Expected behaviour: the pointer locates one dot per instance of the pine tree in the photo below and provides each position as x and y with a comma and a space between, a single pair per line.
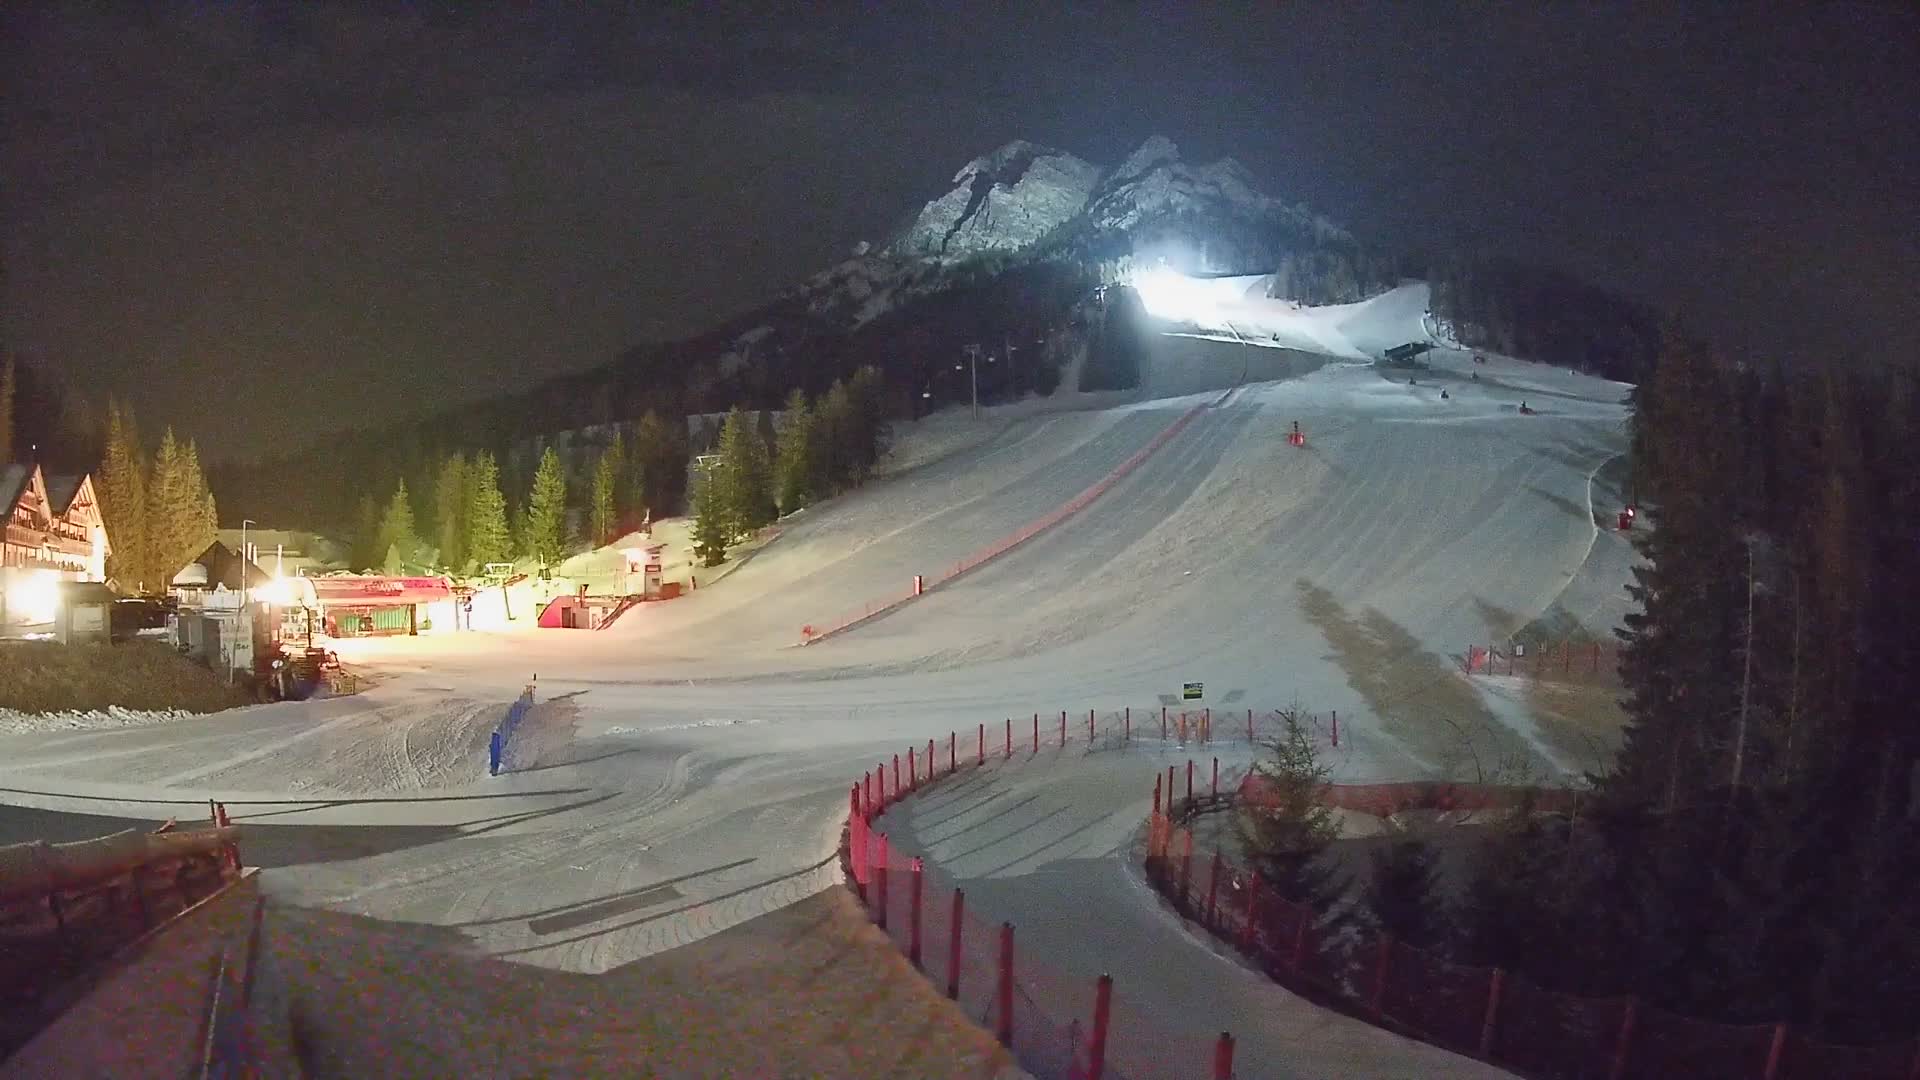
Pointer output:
451, 493
1680, 662
9, 389
177, 507
1403, 892
366, 532
1285, 829
203, 519
659, 471
487, 539
546, 513
711, 530
603, 513
838, 434
870, 435
399, 541
123, 502
798, 465
745, 483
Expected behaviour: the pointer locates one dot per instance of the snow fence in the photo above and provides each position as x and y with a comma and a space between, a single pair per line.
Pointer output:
503, 735
1060, 1028
1486, 1013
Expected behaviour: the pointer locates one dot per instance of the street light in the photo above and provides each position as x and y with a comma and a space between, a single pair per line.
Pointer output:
243, 613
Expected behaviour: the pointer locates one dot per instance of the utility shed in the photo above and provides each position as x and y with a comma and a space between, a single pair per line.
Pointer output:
85, 612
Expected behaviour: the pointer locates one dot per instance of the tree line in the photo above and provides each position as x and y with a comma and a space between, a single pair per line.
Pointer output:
1753, 853
457, 516
158, 511
823, 447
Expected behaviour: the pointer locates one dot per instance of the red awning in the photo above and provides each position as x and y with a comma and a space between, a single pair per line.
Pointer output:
345, 591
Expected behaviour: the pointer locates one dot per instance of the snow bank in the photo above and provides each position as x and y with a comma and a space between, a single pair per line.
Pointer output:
23, 723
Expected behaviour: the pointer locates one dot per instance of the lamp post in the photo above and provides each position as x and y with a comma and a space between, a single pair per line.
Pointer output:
242, 617
973, 364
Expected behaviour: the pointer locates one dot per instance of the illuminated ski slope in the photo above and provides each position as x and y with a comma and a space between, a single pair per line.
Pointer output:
692, 744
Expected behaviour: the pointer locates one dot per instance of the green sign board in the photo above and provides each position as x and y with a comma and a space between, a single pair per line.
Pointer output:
1190, 691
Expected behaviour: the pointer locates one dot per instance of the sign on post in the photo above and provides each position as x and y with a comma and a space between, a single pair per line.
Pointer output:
1190, 691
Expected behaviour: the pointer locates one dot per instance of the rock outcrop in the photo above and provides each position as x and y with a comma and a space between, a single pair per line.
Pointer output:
1004, 201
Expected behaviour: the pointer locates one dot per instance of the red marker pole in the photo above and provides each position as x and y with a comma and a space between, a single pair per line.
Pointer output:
913, 912
1063, 729
1009, 737
983, 745
1089, 727
1036, 733
1189, 782
953, 752
1213, 891
930, 765
913, 770
880, 879
1223, 1058
1102, 1014
1216, 778
896, 775
1156, 794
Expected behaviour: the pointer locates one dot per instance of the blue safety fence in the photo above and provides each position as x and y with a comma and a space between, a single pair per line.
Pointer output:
503, 735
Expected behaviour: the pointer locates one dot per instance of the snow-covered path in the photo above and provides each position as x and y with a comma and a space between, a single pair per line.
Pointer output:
687, 768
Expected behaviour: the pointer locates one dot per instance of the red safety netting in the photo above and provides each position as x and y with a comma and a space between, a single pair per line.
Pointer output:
1802, 1058
1682, 1046
1002, 546
1542, 1033
1595, 662
1049, 1016
1506, 1019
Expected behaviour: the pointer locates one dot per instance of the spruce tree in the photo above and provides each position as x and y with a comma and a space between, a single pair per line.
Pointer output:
366, 532
839, 436
603, 508
797, 466
174, 511
546, 513
1283, 828
487, 540
711, 528
451, 493
660, 465
1403, 892
399, 541
123, 502
744, 490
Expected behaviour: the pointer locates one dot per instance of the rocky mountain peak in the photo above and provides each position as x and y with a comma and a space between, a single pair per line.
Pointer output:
1002, 201
1157, 150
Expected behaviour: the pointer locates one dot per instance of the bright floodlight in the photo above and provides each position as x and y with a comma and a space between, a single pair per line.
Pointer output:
1167, 294
34, 594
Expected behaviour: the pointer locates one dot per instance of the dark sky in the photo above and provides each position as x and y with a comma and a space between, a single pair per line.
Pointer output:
268, 221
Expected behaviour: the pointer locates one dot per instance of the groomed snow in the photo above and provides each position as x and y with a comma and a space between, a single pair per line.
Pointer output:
687, 769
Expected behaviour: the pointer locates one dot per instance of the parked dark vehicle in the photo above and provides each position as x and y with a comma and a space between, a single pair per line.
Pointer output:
135, 613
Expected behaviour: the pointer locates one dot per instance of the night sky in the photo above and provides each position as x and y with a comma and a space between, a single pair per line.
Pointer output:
265, 222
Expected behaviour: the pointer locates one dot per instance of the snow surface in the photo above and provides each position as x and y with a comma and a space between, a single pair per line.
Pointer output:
19, 723
687, 769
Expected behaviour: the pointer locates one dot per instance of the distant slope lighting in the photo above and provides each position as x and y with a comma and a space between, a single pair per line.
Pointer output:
1167, 294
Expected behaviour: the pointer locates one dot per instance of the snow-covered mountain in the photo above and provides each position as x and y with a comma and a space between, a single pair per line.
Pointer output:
1202, 218
1025, 204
